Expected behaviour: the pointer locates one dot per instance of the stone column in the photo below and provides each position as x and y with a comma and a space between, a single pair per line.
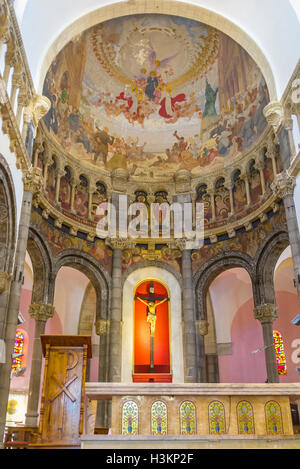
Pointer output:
202, 331
41, 313
284, 184
102, 329
115, 334
267, 314
32, 181
189, 325
5, 281
283, 187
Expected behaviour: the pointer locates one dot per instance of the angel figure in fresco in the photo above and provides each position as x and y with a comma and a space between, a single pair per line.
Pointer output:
101, 142
151, 313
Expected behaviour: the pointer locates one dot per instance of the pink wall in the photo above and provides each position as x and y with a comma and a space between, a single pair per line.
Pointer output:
246, 335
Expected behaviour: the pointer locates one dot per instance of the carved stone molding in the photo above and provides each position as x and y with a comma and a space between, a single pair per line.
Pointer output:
119, 179
33, 180
182, 181
102, 327
284, 185
202, 327
120, 243
274, 114
266, 313
41, 311
37, 108
5, 280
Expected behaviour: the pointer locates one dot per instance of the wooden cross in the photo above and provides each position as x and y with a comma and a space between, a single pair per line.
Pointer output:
149, 301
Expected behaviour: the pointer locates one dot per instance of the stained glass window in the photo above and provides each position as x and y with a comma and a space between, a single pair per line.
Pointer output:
245, 417
18, 361
159, 418
187, 414
280, 355
130, 418
216, 413
273, 418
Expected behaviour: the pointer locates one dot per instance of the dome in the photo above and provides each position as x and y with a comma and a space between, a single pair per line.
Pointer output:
154, 94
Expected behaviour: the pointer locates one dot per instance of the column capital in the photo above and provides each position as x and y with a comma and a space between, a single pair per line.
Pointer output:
41, 311
274, 114
33, 180
5, 281
102, 327
202, 327
37, 108
266, 313
284, 184
120, 243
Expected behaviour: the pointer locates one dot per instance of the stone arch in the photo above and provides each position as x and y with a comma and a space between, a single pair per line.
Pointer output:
168, 276
265, 261
8, 217
42, 265
89, 266
211, 269
157, 263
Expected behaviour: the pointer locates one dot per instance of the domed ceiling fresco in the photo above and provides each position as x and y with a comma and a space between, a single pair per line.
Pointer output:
154, 94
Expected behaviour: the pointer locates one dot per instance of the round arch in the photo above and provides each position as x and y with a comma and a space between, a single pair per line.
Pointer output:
130, 282
266, 260
211, 269
171, 7
89, 266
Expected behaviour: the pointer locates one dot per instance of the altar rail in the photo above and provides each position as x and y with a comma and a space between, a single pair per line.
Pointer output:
167, 409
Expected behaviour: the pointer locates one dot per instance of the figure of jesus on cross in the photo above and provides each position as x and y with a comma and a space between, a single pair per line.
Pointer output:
151, 304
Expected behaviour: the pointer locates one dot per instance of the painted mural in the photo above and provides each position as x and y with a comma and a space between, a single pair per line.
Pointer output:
58, 240
154, 94
247, 242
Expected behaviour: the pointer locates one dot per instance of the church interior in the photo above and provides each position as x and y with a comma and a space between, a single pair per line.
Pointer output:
149, 235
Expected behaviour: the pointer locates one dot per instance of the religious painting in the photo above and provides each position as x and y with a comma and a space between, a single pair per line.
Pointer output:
159, 418
239, 192
187, 415
99, 197
153, 94
254, 184
268, 172
51, 181
151, 329
130, 418
245, 418
273, 418
65, 190
59, 240
216, 417
81, 199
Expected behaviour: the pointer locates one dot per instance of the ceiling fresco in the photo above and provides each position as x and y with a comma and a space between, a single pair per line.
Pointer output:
154, 94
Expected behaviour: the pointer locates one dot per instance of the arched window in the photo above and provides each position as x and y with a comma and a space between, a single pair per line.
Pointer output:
273, 418
130, 418
159, 418
187, 414
216, 414
245, 417
280, 355
19, 356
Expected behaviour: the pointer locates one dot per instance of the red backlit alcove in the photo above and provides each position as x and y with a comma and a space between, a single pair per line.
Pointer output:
161, 348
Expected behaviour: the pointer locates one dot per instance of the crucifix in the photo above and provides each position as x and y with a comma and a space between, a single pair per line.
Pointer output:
150, 302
